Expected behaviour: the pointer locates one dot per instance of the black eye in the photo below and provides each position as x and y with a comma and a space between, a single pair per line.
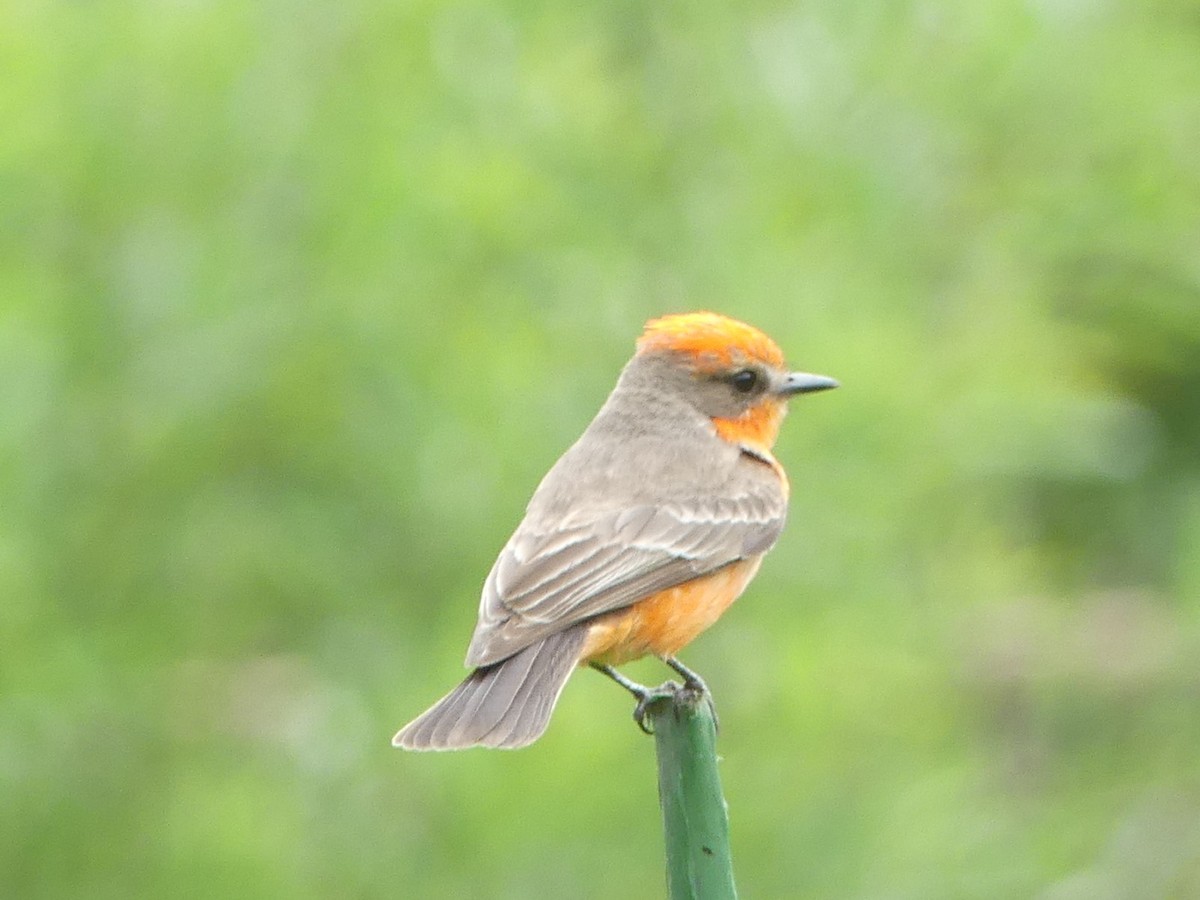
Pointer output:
744, 381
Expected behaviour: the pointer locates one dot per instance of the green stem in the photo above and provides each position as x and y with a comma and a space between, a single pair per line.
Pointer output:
695, 820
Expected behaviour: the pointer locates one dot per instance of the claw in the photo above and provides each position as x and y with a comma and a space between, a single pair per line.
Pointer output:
639, 716
650, 696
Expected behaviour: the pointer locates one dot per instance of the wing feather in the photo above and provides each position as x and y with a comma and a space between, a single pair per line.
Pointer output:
551, 576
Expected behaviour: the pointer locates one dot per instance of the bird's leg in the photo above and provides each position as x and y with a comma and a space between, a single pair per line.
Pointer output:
694, 682
690, 678
645, 696
638, 690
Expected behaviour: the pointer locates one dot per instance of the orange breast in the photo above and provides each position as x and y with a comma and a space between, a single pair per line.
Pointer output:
666, 622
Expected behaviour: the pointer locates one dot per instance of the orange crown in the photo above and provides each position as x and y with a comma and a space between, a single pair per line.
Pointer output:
715, 340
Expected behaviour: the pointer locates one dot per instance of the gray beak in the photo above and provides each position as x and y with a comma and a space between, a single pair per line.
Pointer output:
803, 383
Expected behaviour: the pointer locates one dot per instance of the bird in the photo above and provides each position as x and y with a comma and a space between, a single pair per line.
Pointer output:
638, 538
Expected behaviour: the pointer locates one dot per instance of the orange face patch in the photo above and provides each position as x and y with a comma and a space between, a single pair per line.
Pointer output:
757, 428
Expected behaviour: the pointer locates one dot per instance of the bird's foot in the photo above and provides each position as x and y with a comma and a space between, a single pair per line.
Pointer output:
646, 696
649, 696
693, 685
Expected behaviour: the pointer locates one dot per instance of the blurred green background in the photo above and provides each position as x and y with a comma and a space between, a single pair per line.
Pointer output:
300, 300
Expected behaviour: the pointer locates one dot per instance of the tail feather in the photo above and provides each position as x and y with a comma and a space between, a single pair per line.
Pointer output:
507, 704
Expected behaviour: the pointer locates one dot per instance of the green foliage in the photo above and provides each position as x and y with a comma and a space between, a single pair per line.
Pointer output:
298, 302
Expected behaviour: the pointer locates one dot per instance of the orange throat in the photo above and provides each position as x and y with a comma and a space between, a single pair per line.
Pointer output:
757, 428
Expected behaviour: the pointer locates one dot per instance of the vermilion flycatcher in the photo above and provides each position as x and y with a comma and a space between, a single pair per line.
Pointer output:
638, 538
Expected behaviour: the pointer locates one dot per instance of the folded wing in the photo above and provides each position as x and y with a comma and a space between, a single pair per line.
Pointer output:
548, 578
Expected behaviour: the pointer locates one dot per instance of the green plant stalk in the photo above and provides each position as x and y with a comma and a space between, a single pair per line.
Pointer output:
695, 817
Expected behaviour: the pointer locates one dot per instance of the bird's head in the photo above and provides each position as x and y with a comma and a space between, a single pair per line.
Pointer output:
735, 374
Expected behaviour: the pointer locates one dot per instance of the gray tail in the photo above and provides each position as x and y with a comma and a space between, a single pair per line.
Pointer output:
506, 704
